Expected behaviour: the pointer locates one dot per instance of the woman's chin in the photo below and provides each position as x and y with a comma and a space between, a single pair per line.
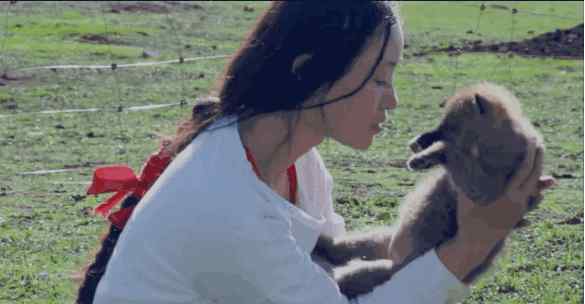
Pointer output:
362, 142
362, 145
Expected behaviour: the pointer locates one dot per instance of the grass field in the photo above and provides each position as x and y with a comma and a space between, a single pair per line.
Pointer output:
47, 230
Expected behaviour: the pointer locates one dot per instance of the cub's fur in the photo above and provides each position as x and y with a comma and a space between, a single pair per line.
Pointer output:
479, 144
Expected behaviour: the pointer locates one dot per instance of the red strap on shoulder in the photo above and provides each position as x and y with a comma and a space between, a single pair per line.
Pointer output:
291, 173
252, 161
292, 183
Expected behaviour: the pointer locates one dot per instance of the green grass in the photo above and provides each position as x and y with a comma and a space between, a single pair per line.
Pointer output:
46, 233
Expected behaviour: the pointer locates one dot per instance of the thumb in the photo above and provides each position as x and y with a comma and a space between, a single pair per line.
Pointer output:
465, 205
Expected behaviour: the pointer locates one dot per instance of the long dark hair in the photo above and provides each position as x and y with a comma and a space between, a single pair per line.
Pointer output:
260, 78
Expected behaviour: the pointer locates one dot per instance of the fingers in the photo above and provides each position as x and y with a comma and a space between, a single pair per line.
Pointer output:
534, 200
546, 182
464, 204
543, 183
532, 179
525, 168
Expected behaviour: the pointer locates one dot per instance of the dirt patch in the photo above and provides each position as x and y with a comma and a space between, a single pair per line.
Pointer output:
8, 104
575, 220
139, 8
183, 5
154, 8
564, 44
14, 78
98, 39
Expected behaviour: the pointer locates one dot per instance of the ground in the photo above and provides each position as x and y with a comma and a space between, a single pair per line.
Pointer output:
47, 229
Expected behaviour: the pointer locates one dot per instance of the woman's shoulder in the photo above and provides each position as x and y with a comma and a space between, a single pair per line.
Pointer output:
312, 160
214, 148
311, 168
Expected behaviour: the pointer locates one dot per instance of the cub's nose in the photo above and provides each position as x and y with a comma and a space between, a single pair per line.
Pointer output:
414, 145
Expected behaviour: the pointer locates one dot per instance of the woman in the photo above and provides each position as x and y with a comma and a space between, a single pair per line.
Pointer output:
235, 216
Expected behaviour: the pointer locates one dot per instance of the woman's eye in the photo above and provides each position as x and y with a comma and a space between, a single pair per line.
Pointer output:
382, 83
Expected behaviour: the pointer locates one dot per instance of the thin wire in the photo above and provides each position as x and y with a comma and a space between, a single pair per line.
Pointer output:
458, 52
455, 63
522, 11
91, 110
4, 61
120, 108
121, 65
513, 21
528, 12
481, 9
58, 76
181, 58
455, 74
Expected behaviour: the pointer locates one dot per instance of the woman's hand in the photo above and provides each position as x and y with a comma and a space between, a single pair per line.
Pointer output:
482, 227
486, 225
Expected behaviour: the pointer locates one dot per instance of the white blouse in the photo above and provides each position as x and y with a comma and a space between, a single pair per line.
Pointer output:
209, 231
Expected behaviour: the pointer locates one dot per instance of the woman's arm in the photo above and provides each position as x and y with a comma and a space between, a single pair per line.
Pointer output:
483, 227
281, 272
461, 257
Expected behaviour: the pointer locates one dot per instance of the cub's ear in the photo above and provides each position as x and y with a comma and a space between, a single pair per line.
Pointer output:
481, 104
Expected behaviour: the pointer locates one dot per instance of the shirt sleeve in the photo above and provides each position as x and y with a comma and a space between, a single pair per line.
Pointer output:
270, 261
424, 280
277, 269
335, 224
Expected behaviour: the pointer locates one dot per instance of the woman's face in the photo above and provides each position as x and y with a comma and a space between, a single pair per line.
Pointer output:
355, 120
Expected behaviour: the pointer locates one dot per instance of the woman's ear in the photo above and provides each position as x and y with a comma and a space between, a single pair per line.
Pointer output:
298, 62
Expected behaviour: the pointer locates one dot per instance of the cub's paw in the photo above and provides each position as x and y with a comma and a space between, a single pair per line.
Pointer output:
414, 145
419, 163
337, 253
361, 277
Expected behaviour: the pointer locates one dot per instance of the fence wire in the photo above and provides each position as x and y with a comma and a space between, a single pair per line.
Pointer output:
114, 66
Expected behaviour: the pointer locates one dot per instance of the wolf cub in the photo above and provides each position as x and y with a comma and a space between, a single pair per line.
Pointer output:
479, 144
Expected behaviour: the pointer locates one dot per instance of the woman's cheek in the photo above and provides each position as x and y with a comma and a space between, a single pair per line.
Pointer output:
375, 93
373, 98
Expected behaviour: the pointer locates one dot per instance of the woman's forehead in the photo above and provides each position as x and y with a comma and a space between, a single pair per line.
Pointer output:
392, 53
395, 45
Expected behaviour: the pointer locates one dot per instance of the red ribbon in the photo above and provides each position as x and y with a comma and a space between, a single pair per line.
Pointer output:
122, 180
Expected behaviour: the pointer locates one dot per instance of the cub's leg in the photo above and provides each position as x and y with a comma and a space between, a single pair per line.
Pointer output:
401, 247
370, 245
323, 263
428, 217
360, 277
